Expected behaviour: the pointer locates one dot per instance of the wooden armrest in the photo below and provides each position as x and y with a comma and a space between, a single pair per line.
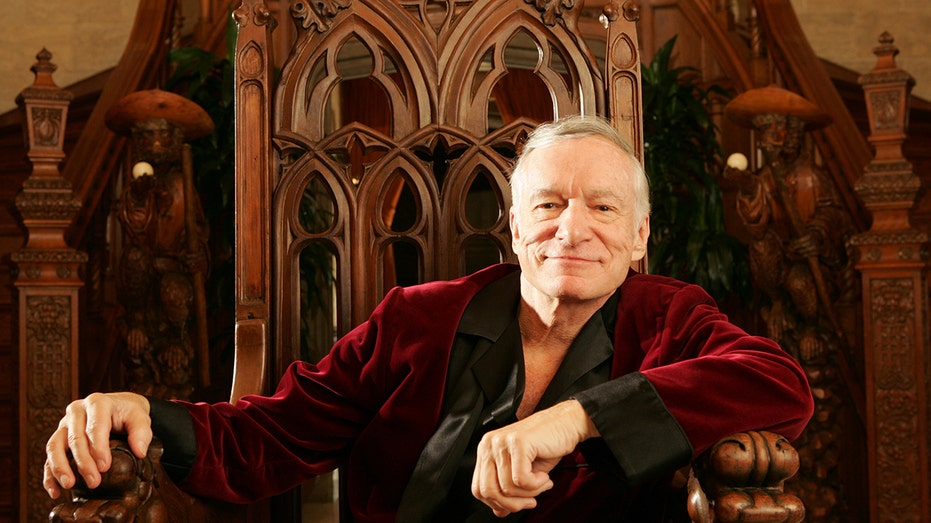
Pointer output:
138, 490
741, 478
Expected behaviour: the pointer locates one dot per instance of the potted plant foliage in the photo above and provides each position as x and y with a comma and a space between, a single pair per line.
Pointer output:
681, 154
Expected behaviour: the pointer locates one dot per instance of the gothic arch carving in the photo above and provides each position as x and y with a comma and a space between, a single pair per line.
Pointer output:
463, 94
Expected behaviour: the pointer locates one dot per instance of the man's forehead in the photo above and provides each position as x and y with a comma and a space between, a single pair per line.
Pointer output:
600, 190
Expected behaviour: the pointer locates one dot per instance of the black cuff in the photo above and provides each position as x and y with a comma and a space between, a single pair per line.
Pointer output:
173, 426
644, 437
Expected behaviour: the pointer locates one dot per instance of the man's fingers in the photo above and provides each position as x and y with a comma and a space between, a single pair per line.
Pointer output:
515, 465
85, 431
488, 490
139, 440
493, 481
57, 472
78, 443
132, 418
49, 482
97, 427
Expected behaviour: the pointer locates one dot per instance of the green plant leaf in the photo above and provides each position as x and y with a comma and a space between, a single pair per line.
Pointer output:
688, 239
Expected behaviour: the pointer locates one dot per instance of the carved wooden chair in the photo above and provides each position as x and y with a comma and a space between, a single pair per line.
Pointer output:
378, 158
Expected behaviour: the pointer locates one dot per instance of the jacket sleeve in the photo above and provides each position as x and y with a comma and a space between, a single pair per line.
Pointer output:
378, 393
685, 377
264, 445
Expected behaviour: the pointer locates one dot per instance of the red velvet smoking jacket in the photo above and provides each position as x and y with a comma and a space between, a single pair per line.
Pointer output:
374, 402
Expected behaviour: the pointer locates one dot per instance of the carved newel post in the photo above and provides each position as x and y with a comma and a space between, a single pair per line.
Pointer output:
47, 283
893, 262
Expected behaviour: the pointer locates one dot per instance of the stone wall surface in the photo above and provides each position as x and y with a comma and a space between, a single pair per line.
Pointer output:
845, 32
84, 38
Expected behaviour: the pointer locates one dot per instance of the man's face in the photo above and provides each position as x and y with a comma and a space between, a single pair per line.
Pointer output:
158, 142
573, 228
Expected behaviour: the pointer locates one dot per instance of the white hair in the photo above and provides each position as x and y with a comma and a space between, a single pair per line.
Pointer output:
549, 134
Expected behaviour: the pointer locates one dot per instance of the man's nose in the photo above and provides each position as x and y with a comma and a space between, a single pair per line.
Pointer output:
574, 227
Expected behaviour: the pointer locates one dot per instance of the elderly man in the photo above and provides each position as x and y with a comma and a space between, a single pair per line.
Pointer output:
567, 388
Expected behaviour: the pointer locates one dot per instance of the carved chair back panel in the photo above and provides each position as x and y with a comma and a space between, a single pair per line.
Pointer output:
395, 125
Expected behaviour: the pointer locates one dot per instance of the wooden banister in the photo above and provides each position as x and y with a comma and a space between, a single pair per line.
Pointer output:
728, 48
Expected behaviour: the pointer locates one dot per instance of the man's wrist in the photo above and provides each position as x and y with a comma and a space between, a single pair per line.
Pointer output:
586, 426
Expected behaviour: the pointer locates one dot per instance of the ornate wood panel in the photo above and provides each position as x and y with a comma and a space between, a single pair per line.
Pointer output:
393, 137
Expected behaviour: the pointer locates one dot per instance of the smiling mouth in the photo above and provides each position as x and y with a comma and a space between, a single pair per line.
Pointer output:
570, 259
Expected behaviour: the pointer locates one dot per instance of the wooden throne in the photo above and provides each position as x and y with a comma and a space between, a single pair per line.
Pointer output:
378, 157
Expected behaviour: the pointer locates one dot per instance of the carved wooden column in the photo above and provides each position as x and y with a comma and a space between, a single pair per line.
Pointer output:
253, 88
47, 283
894, 268
622, 67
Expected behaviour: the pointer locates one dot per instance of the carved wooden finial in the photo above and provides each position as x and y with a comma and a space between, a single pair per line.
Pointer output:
631, 11
885, 53
43, 68
889, 185
43, 86
46, 202
46, 108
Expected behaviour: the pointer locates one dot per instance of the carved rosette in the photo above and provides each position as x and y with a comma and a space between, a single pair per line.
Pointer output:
554, 11
47, 126
318, 14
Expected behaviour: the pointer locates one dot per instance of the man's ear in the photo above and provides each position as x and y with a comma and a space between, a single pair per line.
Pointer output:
639, 248
515, 229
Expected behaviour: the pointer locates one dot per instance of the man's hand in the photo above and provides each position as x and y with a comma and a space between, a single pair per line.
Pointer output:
85, 430
512, 464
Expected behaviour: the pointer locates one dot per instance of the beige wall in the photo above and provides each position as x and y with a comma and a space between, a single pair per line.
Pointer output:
84, 37
846, 31
87, 37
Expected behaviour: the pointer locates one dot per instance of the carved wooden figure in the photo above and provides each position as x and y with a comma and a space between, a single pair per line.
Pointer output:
164, 253
798, 252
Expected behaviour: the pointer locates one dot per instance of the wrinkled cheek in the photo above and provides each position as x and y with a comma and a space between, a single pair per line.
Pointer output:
537, 253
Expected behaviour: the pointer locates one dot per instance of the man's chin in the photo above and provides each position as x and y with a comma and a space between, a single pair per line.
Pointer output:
572, 289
